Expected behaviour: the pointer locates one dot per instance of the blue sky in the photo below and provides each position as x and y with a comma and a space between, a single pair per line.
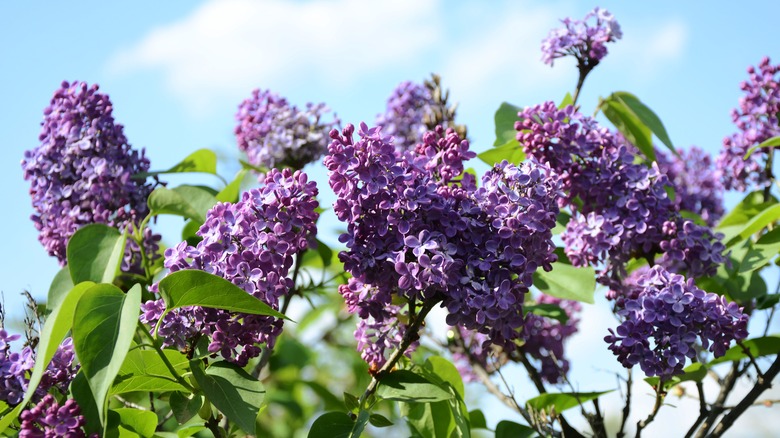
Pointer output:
176, 72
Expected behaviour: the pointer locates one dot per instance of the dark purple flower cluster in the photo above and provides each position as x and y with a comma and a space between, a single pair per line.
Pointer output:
15, 368
81, 173
663, 325
621, 208
544, 338
274, 133
411, 234
49, 420
584, 41
757, 121
252, 244
696, 182
405, 115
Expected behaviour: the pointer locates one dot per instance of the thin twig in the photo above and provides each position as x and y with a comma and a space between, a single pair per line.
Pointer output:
130, 404
726, 385
703, 411
627, 407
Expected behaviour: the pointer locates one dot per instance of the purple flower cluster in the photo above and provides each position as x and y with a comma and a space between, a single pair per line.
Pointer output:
274, 133
15, 368
584, 41
621, 208
757, 121
696, 182
404, 118
543, 340
410, 234
252, 244
49, 420
81, 173
663, 324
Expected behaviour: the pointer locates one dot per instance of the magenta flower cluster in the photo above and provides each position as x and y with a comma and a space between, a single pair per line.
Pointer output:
582, 39
81, 173
404, 117
663, 324
621, 208
275, 133
417, 232
49, 420
15, 369
251, 243
757, 121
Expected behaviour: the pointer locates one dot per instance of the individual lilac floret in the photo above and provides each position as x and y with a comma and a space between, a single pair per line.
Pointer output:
405, 115
413, 235
81, 173
442, 152
757, 121
48, 420
252, 244
663, 325
696, 182
274, 133
586, 41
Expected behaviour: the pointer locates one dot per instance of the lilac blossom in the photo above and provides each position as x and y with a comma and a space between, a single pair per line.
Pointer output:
663, 324
583, 39
696, 182
405, 116
757, 121
82, 170
48, 419
412, 234
274, 133
252, 244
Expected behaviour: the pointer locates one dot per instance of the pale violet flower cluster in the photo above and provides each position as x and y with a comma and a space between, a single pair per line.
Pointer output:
663, 324
48, 419
274, 133
419, 229
405, 115
251, 243
82, 170
584, 39
696, 181
757, 121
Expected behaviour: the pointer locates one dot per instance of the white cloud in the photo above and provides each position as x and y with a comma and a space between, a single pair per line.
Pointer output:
226, 47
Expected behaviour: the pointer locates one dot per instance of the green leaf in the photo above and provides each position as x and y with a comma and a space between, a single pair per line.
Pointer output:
509, 429
232, 191
200, 161
191, 287
326, 254
567, 282
360, 424
759, 222
511, 151
560, 223
505, 119
567, 100
762, 252
551, 311
694, 372
79, 390
331, 425
377, 420
95, 253
190, 202
429, 420
748, 208
232, 390
144, 370
406, 386
758, 347
646, 116
107, 318
56, 327
351, 402
629, 125
328, 398
442, 372
60, 286
769, 143
477, 418
189, 431
562, 401
185, 406
126, 422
